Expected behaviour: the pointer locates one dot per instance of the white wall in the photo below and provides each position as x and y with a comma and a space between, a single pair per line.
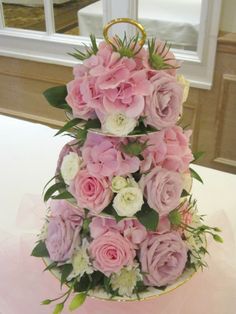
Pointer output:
228, 16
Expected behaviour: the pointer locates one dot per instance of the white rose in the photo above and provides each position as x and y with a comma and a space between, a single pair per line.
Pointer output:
118, 183
119, 124
128, 201
70, 166
185, 84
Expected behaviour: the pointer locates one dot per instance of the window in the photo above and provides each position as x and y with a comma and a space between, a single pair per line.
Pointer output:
46, 30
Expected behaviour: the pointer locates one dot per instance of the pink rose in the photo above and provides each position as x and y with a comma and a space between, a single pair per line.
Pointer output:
110, 252
82, 97
67, 148
62, 239
103, 157
91, 192
163, 257
168, 148
163, 106
162, 189
69, 212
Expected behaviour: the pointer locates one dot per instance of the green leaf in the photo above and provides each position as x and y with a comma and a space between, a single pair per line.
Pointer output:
55, 187
148, 217
217, 238
175, 217
111, 211
184, 193
49, 182
56, 97
134, 148
46, 302
69, 125
195, 175
77, 301
40, 250
198, 155
65, 269
58, 308
93, 124
51, 266
65, 195
83, 284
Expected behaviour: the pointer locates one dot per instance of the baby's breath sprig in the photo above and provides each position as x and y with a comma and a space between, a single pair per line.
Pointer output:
158, 59
88, 50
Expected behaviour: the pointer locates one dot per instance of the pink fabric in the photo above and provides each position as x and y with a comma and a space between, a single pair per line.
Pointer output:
24, 285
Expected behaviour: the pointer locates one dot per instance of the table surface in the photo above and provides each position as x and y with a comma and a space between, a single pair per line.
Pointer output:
27, 161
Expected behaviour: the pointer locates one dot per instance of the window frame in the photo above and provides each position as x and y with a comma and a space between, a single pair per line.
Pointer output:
50, 47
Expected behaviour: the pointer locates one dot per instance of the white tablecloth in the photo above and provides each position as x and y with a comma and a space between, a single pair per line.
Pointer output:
170, 20
27, 160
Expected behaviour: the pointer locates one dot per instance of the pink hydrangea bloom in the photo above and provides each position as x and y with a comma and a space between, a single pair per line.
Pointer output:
103, 157
131, 229
168, 148
82, 97
163, 258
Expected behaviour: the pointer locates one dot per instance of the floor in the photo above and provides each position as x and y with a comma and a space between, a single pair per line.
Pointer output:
32, 18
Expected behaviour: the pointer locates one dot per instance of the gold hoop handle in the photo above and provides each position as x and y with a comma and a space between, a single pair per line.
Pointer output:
124, 20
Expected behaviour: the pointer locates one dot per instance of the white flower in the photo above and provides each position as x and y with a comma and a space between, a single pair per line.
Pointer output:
132, 183
44, 232
185, 84
118, 183
70, 166
80, 262
128, 201
125, 280
118, 124
187, 181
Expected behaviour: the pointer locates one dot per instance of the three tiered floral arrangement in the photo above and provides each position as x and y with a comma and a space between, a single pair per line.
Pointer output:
122, 223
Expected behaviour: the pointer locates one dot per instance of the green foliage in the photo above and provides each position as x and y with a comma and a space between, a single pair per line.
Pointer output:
88, 50
184, 193
217, 238
51, 266
69, 125
77, 301
40, 250
157, 59
148, 217
58, 308
175, 217
134, 148
111, 211
65, 195
65, 270
195, 175
198, 155
52, 189
56, 97
46, 302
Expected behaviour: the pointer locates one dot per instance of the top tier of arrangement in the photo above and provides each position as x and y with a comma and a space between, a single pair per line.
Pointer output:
122, 88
